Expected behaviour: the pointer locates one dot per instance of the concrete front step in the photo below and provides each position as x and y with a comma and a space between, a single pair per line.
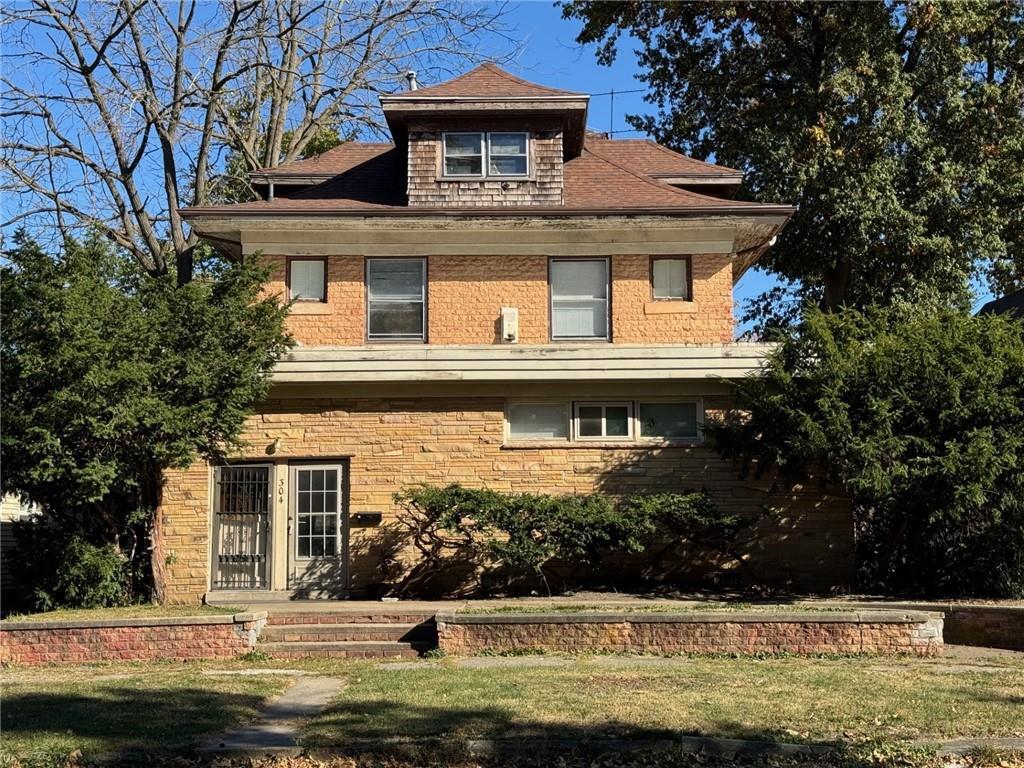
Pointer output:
364, 649
291, 633
275, 617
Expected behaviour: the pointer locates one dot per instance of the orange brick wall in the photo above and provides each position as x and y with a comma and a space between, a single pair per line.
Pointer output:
805, 543
466, 293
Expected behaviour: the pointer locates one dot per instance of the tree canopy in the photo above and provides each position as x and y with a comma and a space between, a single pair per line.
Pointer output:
109, 375
919, 414
897, 128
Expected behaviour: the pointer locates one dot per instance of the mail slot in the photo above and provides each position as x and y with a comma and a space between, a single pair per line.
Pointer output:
365, 518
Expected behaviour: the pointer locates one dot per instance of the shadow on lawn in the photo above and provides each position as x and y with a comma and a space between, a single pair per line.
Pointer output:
125, 718
355, 727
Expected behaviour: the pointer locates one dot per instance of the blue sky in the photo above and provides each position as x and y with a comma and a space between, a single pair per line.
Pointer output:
551, 55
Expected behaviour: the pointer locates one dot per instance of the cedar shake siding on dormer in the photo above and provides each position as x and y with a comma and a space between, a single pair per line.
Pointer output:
429, 187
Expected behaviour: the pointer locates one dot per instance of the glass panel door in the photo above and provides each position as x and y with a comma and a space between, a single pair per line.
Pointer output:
318, 531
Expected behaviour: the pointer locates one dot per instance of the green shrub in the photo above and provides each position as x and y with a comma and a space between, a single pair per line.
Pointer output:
918, 413
57, 569
534, 535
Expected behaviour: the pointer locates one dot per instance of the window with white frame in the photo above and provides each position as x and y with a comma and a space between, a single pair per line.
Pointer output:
506, 154
609, 421
396, 299
670, 278
668, 420
464, 154
486, 154
538, 421
307, 279
579, 298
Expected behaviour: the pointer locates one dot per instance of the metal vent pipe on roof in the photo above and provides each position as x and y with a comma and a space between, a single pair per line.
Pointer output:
410, 76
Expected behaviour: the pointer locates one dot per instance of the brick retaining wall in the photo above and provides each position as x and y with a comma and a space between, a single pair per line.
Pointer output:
916, 633
978, 624
181, 639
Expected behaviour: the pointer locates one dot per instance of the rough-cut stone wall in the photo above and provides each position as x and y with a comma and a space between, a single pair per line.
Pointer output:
920, 635
804, 543
707, 319
466, 293
427, 187
204, 637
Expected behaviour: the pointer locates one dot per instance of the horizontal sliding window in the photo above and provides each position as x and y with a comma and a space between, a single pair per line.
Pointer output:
670, 421
486, 154
604, 420
396, 299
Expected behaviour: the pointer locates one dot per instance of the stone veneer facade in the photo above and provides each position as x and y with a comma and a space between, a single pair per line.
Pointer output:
393, 440
466, 293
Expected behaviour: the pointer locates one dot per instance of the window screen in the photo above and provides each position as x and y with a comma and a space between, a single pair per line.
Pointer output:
579, 299
396, 298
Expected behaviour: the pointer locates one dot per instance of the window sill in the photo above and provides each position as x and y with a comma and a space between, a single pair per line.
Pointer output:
670, 307
311, 308
632, 445
477, 179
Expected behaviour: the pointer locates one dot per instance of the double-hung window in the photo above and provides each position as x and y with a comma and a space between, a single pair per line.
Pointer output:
396, 299
486, 154
579, 299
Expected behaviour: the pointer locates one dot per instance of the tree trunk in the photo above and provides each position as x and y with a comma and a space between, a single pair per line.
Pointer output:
186, 265
836, 286
152, 498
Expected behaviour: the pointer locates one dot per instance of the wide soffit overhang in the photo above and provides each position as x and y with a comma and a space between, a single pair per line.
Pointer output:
501, 363
742, 232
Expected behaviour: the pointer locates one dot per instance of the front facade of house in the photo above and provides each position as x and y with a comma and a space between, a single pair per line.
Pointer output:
499, 298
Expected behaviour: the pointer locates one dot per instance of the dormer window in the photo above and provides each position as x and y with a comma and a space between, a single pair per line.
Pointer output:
501, 154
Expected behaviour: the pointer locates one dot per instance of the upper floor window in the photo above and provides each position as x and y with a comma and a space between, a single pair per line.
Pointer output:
500, 154
396, 299
579, 299
307, 279
670, 278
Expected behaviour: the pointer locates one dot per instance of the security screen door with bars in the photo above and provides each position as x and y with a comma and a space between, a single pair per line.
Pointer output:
241, 527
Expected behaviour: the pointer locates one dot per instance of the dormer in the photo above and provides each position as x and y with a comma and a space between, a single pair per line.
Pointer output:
486, 139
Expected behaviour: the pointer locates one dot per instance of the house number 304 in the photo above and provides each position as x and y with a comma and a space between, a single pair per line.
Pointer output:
280, 490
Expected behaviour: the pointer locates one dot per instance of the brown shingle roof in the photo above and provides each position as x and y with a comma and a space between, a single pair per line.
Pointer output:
370, 178
647, 157
487, 81
334, 161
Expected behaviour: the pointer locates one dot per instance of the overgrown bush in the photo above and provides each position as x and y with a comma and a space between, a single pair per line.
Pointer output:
58, 569
691, 518
919, 414
523, 535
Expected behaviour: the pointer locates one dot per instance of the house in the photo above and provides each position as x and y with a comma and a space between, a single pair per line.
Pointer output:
501, 298
1012, 305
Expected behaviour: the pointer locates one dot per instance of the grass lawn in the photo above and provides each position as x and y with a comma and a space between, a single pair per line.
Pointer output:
158, 707
49, 712
788, 699
147, 611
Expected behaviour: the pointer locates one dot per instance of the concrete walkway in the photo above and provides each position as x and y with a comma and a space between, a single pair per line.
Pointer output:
276, 730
